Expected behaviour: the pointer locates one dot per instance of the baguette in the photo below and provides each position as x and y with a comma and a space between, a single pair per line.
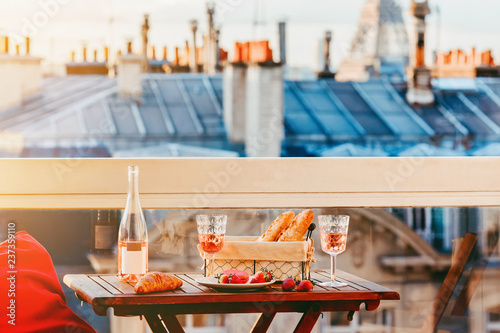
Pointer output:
154, 282
298, 227
277, 227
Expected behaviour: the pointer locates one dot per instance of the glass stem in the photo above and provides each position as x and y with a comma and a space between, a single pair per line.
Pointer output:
333, 267
213, 265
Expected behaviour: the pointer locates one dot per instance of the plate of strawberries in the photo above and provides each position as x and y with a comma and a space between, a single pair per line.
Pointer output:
236, 280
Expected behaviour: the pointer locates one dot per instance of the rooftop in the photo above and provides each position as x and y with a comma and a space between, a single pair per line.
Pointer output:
75, 111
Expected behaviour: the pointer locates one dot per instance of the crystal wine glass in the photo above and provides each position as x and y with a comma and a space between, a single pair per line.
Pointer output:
333, 233
211, 231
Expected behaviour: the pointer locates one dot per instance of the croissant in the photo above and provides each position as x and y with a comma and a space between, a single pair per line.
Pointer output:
154, 282
298, 227
277, 227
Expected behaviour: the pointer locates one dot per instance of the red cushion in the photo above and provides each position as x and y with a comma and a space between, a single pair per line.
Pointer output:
40, 304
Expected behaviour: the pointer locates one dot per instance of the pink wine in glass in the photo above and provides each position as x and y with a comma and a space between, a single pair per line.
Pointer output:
211, 243
333, 243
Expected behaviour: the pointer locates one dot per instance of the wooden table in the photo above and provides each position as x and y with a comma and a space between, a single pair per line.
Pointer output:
160, 309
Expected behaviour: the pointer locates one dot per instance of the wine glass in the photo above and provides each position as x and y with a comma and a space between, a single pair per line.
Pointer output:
333, 233
211, 231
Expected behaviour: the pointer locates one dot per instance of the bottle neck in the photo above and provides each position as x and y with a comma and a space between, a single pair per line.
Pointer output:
133, 226
133, 184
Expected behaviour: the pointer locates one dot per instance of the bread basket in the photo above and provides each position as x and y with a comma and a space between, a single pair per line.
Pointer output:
283, 259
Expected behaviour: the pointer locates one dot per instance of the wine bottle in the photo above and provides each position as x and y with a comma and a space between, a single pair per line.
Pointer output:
104, 229
133, 234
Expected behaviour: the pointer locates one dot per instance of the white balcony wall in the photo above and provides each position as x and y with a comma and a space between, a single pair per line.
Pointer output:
252, 183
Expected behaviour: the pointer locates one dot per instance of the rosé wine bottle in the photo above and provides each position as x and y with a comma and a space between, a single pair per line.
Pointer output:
133, 234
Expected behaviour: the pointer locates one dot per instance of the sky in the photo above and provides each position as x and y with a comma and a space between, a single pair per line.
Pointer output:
59, 26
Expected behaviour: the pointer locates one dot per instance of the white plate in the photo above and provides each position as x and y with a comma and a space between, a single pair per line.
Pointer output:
213, 283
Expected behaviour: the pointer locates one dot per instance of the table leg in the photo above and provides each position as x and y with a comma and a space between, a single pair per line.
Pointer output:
308, 320
155, 323
263, 322
171, 322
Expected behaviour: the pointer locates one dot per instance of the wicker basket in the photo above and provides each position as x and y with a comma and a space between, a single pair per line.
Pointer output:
283, 259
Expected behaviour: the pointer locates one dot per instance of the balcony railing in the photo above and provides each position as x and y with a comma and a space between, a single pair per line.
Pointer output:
251, 183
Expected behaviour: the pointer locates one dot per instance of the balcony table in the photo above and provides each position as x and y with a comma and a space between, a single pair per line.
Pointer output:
160, 309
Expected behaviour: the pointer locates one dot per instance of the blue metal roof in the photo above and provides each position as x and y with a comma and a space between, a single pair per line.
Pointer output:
174, 150
351, 150
385, 101
491, 149
187, 109
472, 120
359, 108
423, 149
333, 120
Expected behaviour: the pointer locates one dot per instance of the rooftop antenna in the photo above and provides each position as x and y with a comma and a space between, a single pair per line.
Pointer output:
258, 19
438, 37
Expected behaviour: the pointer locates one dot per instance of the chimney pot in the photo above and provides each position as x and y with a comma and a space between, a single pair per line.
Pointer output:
4, 47
84, 53
27, 45
129, 47
95, 55
165, 53
106, 54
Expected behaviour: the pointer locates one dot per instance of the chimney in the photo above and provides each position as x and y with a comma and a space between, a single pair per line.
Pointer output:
84, 53
145, 40
328, 39
253, 100
4, 45
234, 100
193, 60
326, 72
145, 30
153, 50
282, 40
164, 53
27, 45
210, 46
264, 129
177, 56
218, 66
130, 69
419, 76
95, 55
106, 54
21, 76
72, 56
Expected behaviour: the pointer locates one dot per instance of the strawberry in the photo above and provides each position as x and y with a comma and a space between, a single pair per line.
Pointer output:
224, 278
305, 285
268, 276
242, 277
236, 279
259, 277
288, 284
